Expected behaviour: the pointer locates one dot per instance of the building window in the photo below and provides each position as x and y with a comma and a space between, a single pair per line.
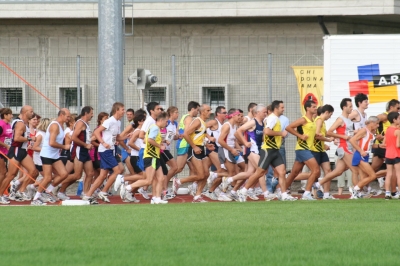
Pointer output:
69, 99
216, 96
11, 97
156, 94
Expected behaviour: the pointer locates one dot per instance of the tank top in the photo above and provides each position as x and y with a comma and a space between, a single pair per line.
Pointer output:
381, 130
319, 145
6, 135
348, 130
309, 130
36, 154
361, 123
230, 138
199, 135
273, 142
392, 151
22, 145
138, 143
255, 137
151, 151
215, 133
182, 143
366, 142
48, 151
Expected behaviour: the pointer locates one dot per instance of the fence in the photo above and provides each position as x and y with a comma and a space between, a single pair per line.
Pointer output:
233, 81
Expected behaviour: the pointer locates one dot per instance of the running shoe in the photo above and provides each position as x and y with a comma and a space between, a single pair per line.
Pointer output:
118, 182
242, 197
4, 201
289, 198
62, 196
18, 196
160, 201
210, 195
224, 184
329, 197
92, 201
270, 197
251, 195
199, 200
38, 202
25, 197
129, 198
233, 196
223, 197
388, 197
104, 197
31, 190
307, 197
122, 192
175, 185
144, 193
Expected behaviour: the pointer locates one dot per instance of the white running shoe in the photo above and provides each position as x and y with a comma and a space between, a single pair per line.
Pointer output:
31, 190
289, 198
160, 201
224, 184
62, 196
223, 197
144, 193
118, 182
104, 197
25, 197
271, 196
376, 193
199, 200
211, 178
251, 195
210, 195
129, 198
4, 201
330, 197
307, 197
242, 197
233, 196
258, 191
38, 202
192, 189
122, 192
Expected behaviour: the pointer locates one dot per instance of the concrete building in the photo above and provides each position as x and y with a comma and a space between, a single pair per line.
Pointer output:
221, 48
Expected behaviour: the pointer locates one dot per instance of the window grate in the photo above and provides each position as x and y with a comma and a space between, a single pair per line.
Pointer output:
11, 97
70, 97
155, 94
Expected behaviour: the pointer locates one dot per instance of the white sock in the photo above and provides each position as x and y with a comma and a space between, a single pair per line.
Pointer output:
244, 191
196, 197
278, 190
317, 184
17, 183
49, 188
233, 192
357, 188
122, 179
214, 175
284, 195
178, 181
37, 195
266, 193
230, 180
250, 190
31, 186
307, 193
128, 188
326, 194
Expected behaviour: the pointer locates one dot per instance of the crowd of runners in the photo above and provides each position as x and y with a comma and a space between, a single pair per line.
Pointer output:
228, 157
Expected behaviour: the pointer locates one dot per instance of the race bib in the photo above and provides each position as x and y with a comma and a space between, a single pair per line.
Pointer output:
114, 139
7, 141
169, 136
370, 146
350, 133
89, 137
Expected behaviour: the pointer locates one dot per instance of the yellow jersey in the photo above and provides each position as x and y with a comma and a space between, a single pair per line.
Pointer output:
381, 130
151, 151
272, 142
199, 135
319, 145
307, 129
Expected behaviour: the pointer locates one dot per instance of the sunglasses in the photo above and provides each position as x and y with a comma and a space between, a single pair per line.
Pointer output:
224, 113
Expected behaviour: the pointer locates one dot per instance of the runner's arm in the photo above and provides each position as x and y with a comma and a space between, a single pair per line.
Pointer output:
36, 146
332, 129
189, 130
292, 127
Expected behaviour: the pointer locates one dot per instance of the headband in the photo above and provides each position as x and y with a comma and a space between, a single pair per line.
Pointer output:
233, 114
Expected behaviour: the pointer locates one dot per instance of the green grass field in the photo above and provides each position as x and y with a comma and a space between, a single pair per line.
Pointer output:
362, 232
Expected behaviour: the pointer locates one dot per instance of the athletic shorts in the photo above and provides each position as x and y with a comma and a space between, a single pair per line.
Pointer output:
320, 157
107, 160
357, 158
231, 158
17, 153
2, 157
379, 152
96, 164
39, 168
48, 161
124, 155
200, 156
216, 148
82, 154
270, 157
163, 166
151, 162
392, 161
136, 168
303, 155
182, 151
140, 162
166, 155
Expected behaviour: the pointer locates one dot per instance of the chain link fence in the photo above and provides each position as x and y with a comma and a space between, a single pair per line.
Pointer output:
232, 81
